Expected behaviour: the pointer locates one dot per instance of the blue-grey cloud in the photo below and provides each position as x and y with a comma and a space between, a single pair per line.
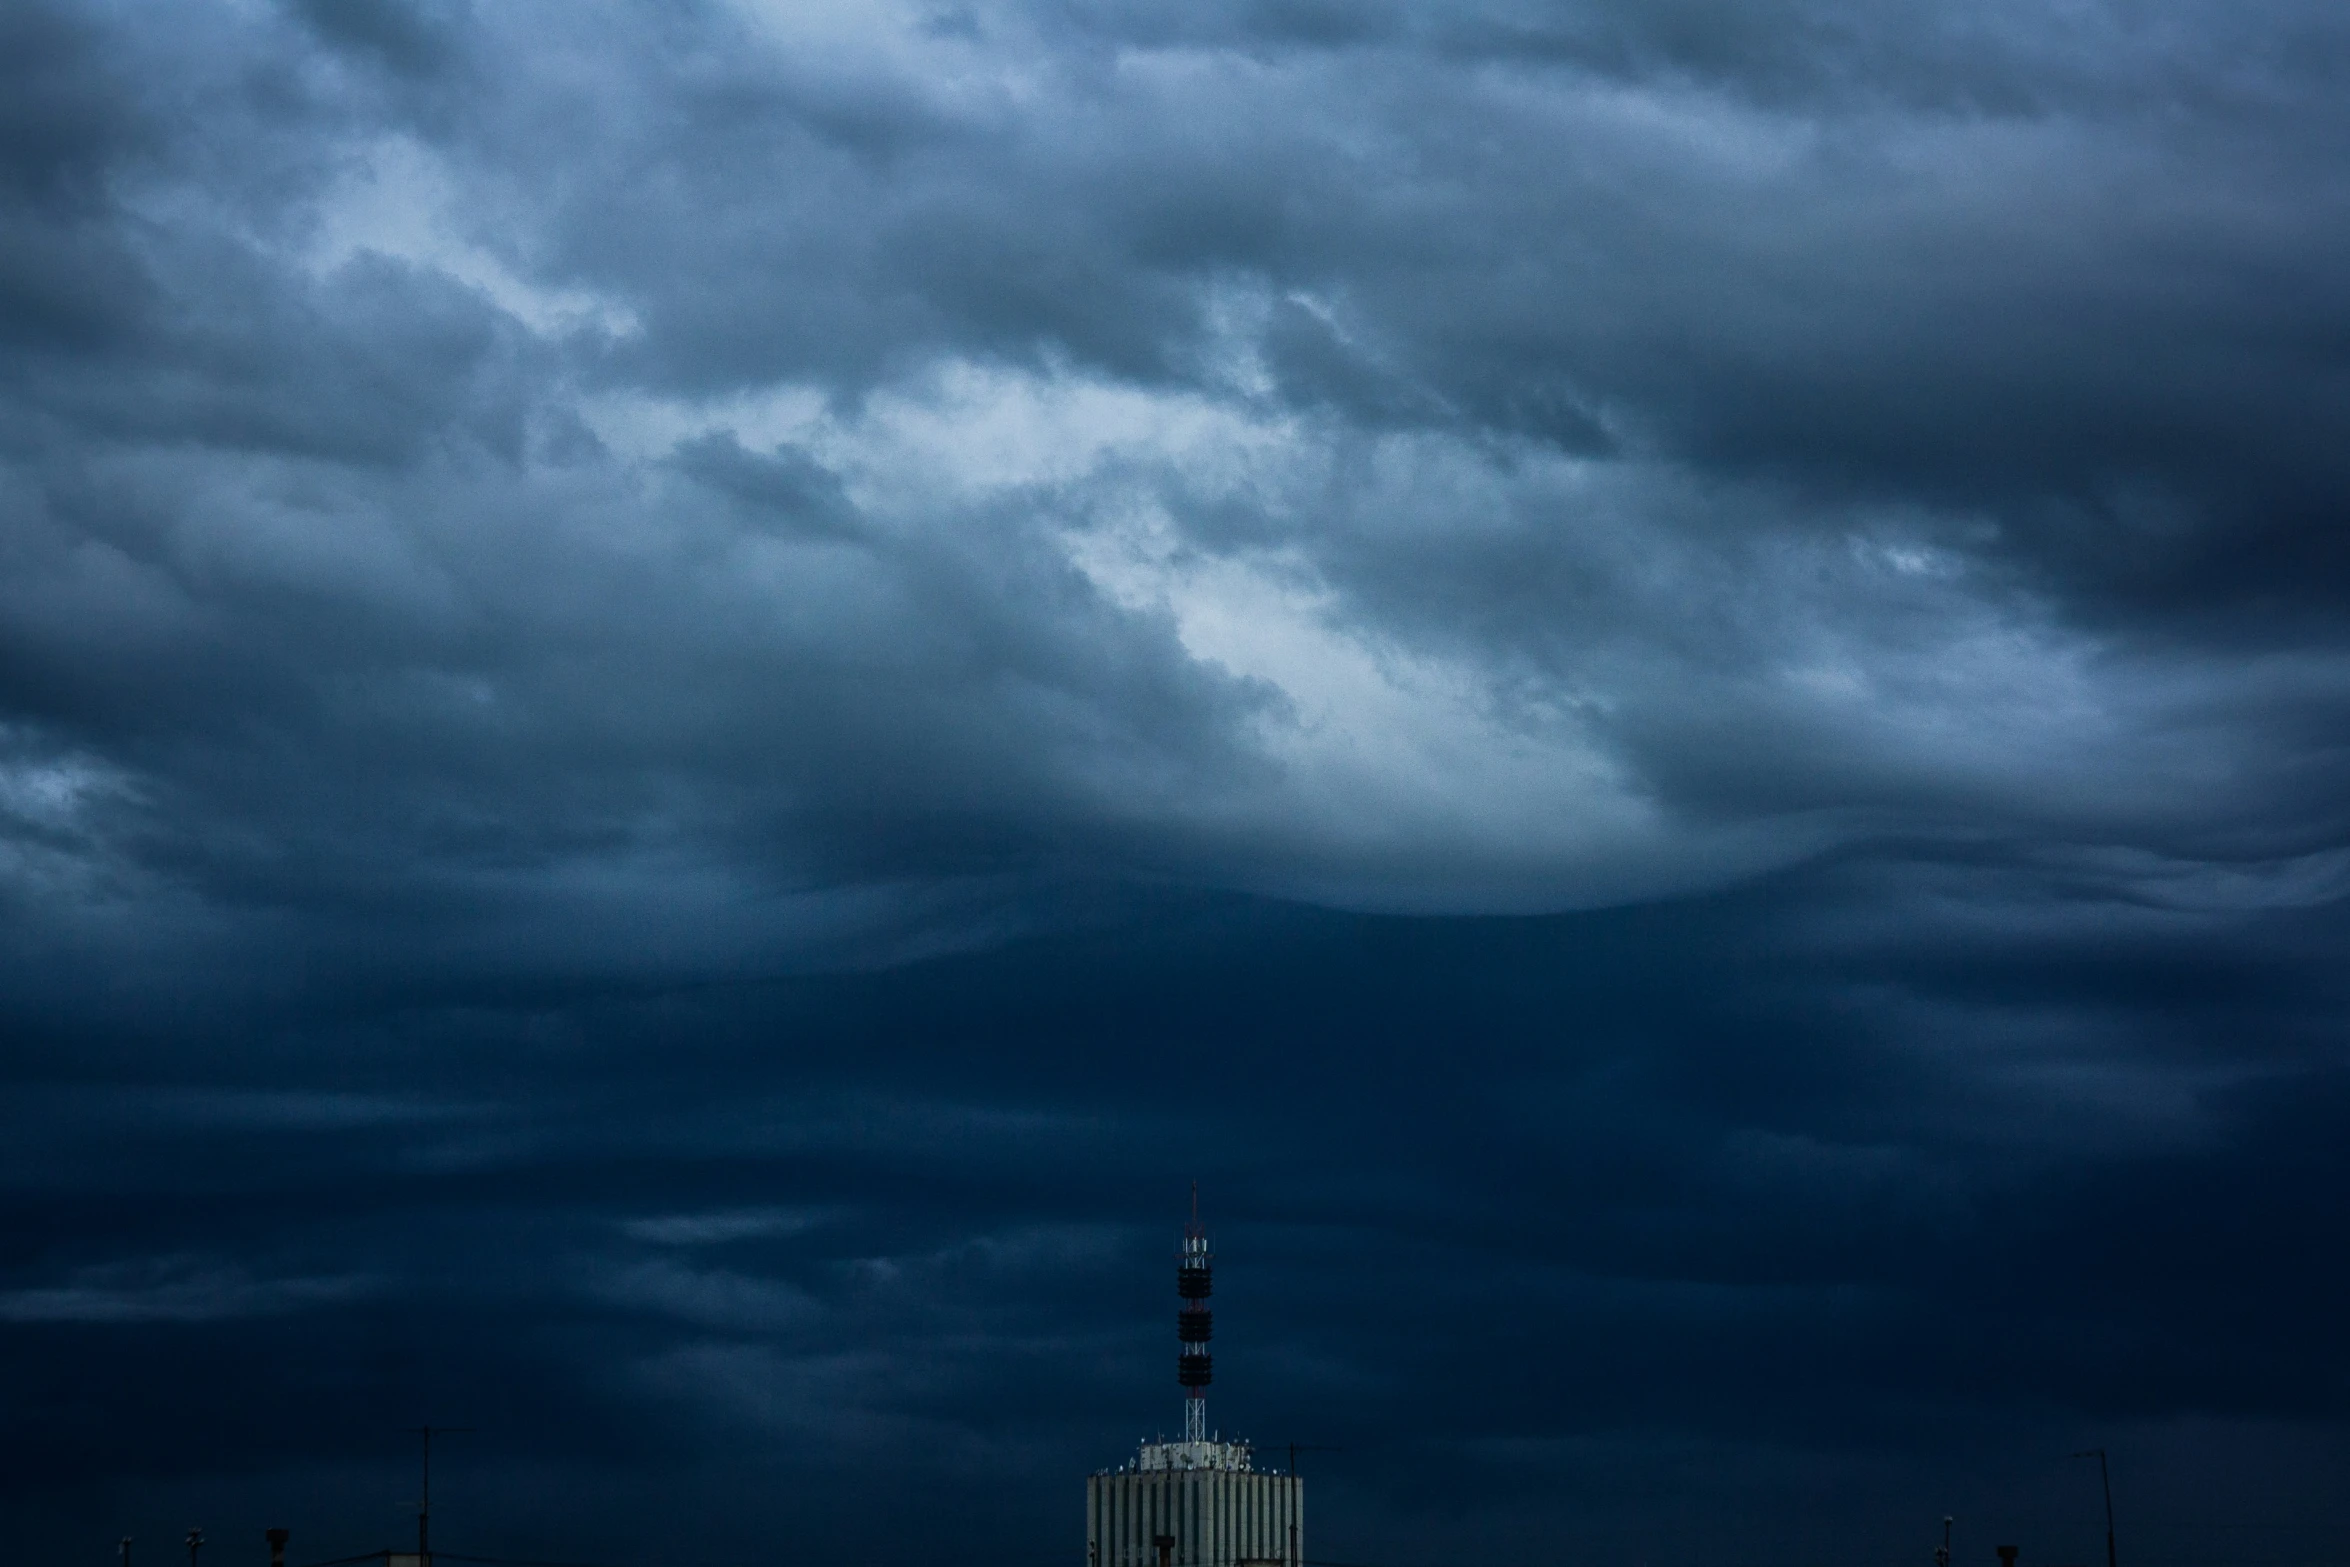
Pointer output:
692, 696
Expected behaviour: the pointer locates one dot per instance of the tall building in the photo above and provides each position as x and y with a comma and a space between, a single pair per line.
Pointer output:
1200, 1501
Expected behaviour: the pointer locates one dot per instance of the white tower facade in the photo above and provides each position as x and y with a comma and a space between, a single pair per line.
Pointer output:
1194, 1504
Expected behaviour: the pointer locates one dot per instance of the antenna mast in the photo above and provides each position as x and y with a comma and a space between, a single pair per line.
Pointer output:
424, 1501
1194, 1367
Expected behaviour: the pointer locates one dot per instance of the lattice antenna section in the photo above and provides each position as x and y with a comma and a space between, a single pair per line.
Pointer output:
1194, 1324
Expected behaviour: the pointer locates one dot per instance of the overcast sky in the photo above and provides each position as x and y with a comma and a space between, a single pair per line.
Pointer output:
694, 696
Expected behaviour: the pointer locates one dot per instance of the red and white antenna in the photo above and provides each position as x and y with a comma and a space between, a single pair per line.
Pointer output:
1194, 1367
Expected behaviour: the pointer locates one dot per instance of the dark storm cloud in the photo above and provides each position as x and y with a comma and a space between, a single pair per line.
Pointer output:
1603, 1180
689, 695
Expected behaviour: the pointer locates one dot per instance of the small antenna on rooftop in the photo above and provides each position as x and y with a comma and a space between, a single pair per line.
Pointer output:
1296, 1448
424, 1500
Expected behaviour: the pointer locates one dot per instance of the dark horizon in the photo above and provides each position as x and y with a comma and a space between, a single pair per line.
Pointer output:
695, 697
1956, 1371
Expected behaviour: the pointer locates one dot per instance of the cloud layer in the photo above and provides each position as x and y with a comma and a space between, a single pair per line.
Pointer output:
1477, 461
660, 666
